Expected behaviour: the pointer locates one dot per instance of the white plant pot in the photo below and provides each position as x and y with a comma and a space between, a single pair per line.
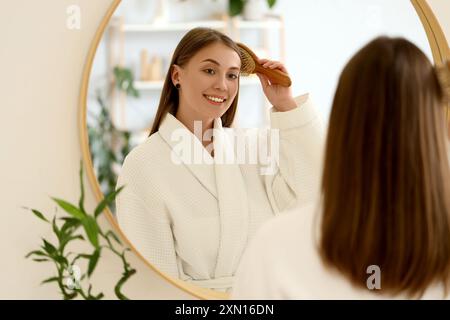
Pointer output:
162, 12
255, 10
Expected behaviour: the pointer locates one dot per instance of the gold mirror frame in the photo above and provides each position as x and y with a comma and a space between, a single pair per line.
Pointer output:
440, 50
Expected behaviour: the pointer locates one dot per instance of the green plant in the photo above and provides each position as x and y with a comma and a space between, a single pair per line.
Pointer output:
67, 229
235, 7
107, 144
103, 141
124, 80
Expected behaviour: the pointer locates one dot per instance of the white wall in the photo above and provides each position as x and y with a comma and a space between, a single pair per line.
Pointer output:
322, 35
41, 63
442, 12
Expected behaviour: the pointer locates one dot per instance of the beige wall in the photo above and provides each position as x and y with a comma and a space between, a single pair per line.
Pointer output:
441, 9
41, 63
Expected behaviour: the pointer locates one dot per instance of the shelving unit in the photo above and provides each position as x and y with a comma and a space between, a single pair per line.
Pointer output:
271, 22
180, 26
232, 27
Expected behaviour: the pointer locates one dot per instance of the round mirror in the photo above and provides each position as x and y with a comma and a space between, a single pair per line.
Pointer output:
124, 76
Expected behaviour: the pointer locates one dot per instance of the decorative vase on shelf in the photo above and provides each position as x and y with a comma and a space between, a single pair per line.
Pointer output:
144, 65
162, 12
155, 71
255, 10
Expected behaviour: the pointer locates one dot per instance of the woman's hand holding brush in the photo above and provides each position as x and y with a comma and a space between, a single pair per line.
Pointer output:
279, 96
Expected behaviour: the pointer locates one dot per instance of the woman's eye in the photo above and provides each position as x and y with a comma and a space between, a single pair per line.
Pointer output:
233, 76
210, 71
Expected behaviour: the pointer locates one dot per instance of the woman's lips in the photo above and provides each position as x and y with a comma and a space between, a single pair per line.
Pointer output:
215, 103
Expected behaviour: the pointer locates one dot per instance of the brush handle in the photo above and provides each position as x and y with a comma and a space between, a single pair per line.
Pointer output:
275, 76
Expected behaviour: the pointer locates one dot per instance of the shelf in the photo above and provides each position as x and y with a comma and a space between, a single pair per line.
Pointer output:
267, 23
214, 24
148, 85
157, 85
180, 26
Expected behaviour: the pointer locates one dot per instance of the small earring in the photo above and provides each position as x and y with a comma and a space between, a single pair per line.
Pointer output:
178, 86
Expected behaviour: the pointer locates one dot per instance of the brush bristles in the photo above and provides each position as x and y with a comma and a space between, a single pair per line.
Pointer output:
247, 63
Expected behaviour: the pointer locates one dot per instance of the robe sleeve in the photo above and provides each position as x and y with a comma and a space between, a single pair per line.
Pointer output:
296, 177
147, 228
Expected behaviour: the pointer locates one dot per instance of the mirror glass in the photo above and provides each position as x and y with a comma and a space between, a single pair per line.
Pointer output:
314, 39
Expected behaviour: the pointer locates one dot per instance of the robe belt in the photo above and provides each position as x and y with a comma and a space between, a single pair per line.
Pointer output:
217, 283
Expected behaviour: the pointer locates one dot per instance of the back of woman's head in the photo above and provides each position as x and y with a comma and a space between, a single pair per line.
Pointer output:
192, 42
386, 181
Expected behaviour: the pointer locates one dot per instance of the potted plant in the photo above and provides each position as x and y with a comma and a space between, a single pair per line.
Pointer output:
251, 9
108, 144
79, 225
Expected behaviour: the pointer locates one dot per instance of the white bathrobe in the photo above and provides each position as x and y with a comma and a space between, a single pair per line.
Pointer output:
193, 221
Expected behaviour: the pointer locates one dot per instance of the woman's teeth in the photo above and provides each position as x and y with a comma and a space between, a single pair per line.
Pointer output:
214, 99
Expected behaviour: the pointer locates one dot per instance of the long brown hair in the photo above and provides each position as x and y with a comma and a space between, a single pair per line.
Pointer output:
195, 40
386, 180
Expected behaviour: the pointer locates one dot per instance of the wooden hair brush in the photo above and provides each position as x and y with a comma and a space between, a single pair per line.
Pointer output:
250, 65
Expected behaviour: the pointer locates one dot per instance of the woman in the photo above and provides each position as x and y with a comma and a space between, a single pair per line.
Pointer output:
382, 226
190, 212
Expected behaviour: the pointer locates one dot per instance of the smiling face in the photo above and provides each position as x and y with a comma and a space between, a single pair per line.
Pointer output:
209, 82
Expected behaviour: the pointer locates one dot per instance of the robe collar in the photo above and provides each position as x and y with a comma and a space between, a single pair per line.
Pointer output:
176, 135
223, 179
